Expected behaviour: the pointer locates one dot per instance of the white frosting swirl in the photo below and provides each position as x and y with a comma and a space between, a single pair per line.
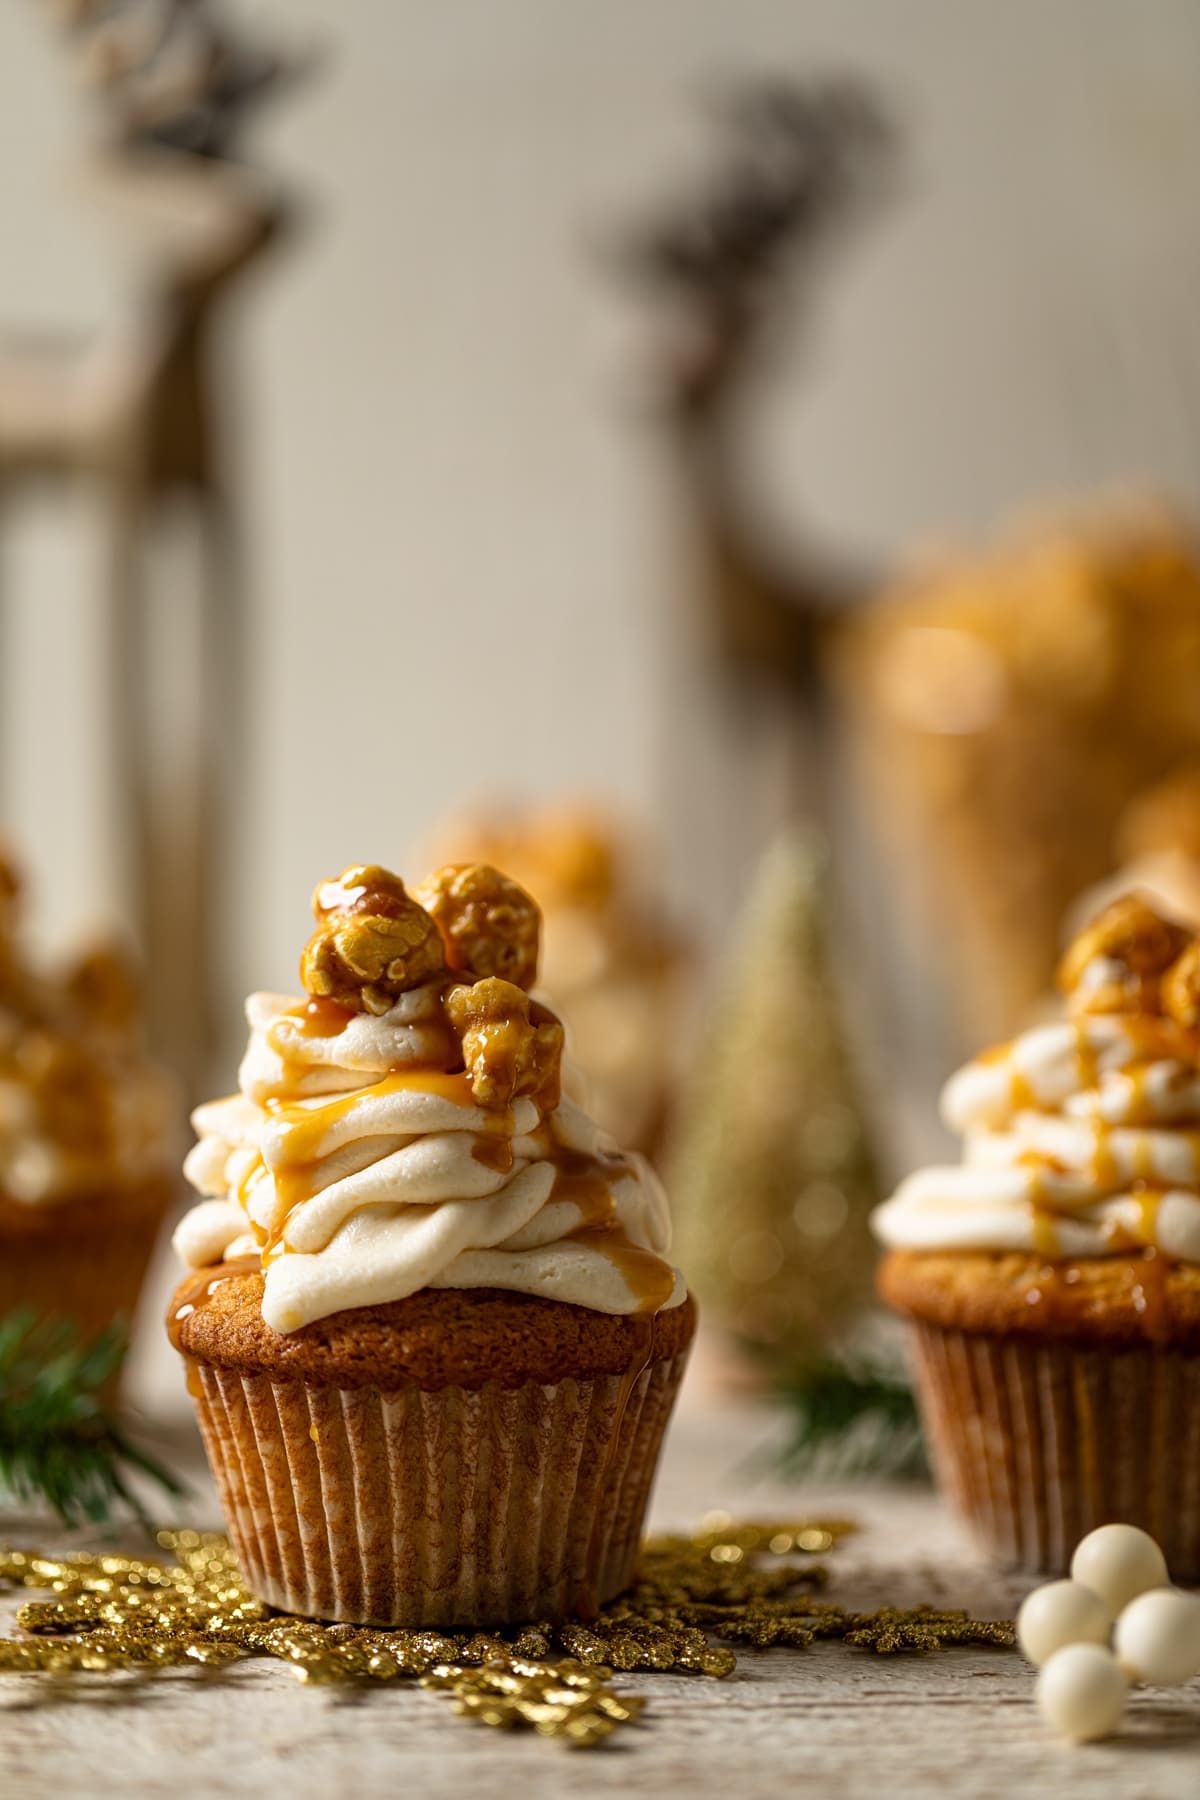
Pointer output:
359, 1173
1081, 1138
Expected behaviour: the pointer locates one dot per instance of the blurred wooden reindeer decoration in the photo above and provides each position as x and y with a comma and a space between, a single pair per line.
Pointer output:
138, 414
1001, 709
801, 164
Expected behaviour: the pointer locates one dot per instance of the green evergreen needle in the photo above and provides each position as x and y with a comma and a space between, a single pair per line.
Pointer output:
59, 1442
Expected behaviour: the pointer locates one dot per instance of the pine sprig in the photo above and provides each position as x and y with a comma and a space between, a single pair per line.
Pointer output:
59, 1442
852, 1418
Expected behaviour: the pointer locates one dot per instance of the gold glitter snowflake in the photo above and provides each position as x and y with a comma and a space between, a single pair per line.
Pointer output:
732, 1581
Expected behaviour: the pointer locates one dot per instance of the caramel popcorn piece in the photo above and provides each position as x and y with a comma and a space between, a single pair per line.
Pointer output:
489, 925
1163, 817
102, 985
71, 1091
511, 1045
372, 941
1117, 962
1181, 989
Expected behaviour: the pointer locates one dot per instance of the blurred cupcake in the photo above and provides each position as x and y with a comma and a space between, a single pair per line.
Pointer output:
1053, 1279
611, 959
85, 1135
432, 1334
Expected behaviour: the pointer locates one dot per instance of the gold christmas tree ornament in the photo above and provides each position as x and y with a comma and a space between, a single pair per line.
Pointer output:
773, 1174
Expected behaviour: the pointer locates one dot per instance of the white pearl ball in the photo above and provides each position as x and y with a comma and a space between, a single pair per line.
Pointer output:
1062, 1612
1158, 1638
1081, 1691
1119, 1562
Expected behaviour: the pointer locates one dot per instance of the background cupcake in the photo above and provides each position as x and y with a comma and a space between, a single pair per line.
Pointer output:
613, 959
432, 1334
85, 1135
1054, 1277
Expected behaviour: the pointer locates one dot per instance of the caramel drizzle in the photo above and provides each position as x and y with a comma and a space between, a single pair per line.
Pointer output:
583, 1180
1154, 1040
195, 1293
586, 1181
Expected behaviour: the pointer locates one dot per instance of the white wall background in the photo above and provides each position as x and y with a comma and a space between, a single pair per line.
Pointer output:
464, 569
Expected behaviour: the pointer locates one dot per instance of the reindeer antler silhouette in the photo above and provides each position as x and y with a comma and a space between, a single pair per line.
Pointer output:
172, 74
802, 159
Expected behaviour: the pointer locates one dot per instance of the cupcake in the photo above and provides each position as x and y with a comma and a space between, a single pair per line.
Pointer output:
1053, 1278
85, 1135
430, 1329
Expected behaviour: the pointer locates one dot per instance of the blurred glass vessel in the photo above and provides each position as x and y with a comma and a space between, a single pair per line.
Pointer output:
1007, 708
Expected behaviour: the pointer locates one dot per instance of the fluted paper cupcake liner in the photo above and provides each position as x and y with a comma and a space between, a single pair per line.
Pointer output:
445, 1507
1037, 1444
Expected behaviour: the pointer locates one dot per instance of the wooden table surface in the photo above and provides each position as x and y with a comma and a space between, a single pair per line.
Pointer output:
828, 1720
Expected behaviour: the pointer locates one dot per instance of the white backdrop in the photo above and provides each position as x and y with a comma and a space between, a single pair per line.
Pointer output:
464, 569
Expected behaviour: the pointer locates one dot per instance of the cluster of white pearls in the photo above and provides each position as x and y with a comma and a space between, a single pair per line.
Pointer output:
1120, 1590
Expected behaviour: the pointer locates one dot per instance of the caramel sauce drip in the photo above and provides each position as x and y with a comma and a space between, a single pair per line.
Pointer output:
306, 1127
313, 1019
1136, 1077
583, 1180
1105, 1169
193, 1295
586, 1181
1087, 1061
1140, 1235
1162, 1040
320, 1018
1021, 1096
495, 1153
648, 1277
1046, 1240
1149, 1203
328, 1018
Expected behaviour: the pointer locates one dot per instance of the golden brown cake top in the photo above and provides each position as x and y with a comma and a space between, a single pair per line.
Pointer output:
444, 1337
1122, 1302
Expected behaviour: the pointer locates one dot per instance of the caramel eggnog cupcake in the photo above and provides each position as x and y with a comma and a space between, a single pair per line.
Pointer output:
432, 1333
86, 1130
1053, 1277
